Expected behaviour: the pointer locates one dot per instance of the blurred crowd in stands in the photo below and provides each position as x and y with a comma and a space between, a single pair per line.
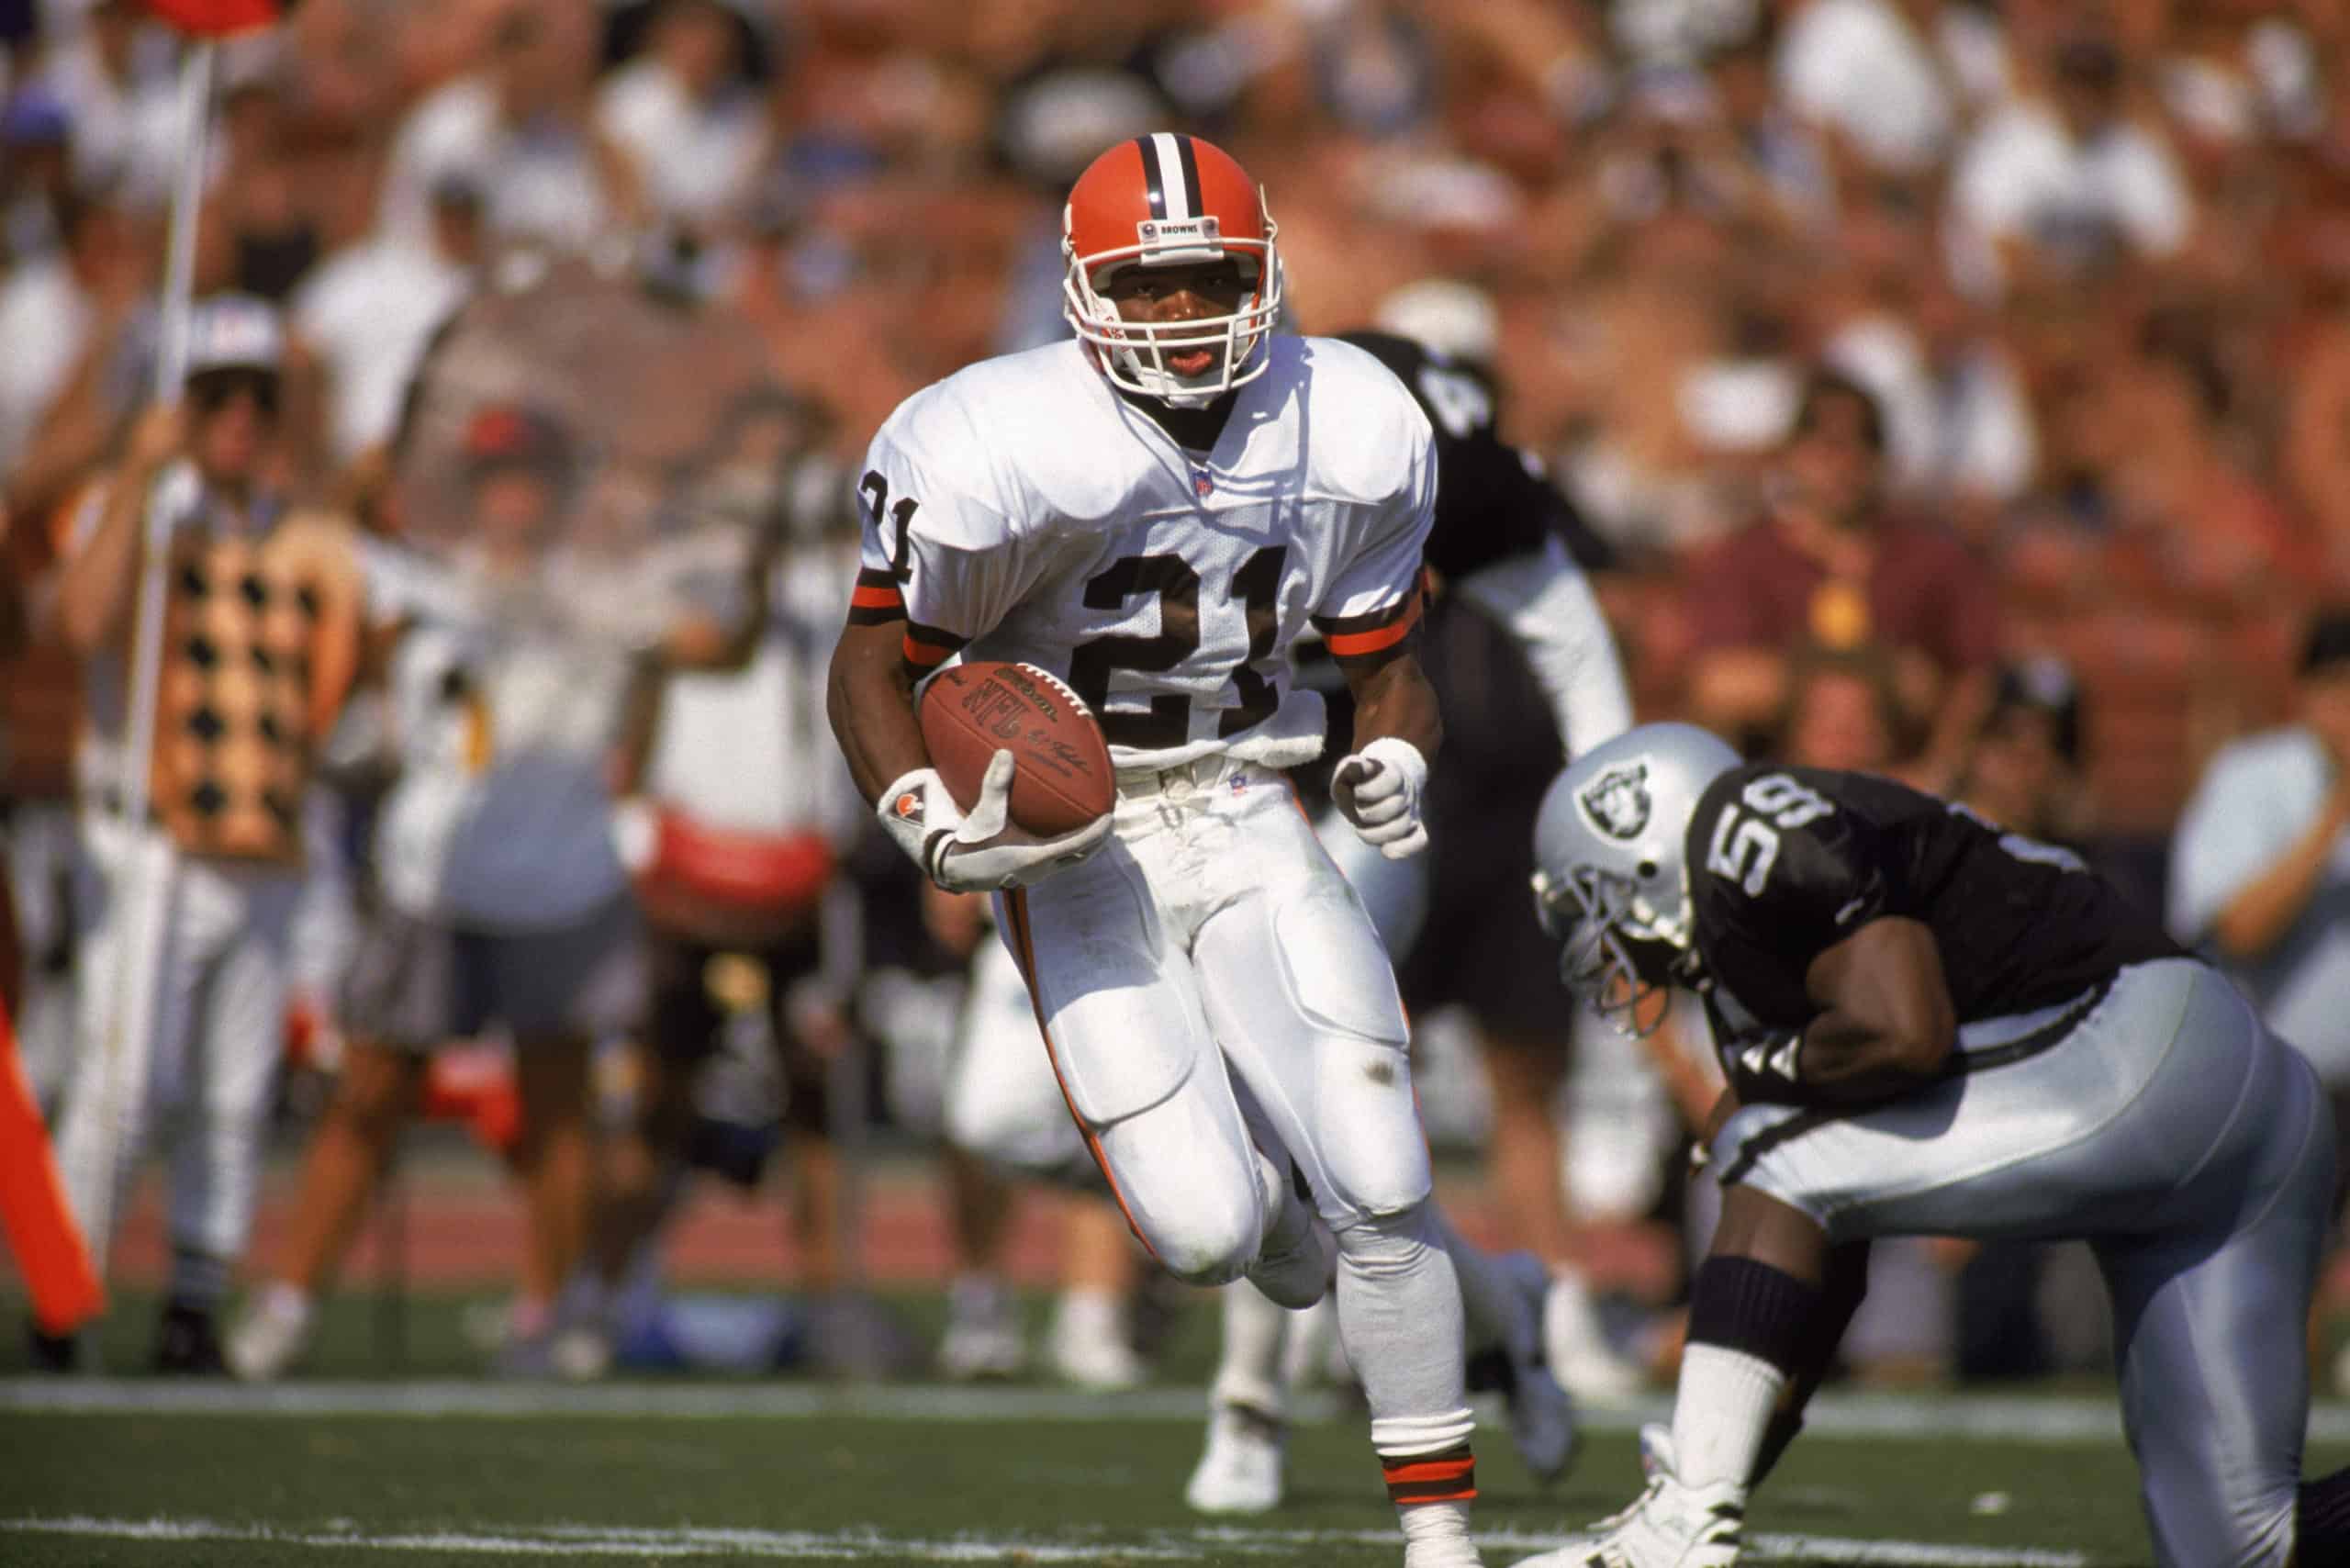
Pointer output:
1963, 387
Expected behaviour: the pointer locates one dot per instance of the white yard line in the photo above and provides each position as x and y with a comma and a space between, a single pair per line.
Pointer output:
2056, 1420
1165, 1546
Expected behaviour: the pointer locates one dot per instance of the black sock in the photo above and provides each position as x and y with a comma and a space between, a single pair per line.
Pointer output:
1841, 1290
2324, 1520
1743, 1305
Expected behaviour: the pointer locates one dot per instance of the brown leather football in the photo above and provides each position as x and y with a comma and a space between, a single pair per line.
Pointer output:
970, 712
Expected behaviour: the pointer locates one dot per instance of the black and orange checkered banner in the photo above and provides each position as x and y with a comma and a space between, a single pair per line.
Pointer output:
42, 1234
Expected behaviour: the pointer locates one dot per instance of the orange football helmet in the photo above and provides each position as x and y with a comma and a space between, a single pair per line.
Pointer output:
1167, 199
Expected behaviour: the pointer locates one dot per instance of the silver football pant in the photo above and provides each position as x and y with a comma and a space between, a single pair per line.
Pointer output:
2193, 1151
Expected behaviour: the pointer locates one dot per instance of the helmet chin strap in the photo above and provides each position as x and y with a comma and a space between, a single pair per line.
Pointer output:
1188, 397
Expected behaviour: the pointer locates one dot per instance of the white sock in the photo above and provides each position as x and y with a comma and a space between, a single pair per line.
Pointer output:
1430, 1528
1723, 1409
1399, 1316
1249, 1370
1311, 1346
289, 1302
1487, 1304
977, 1291
1097, 1314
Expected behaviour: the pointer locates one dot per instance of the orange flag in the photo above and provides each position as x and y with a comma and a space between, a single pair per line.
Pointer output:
40, 1228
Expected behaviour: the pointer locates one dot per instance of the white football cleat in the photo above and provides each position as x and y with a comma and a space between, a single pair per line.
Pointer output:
1576, 1347
1541, 1417
1448, 1551
1241, 1473
1089, 1346
272, 1335
1668, 1526
983, 1336
580, 1352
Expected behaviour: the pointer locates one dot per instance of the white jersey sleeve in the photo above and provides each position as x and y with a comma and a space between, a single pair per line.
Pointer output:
1375, 594
1546, 603
941, 551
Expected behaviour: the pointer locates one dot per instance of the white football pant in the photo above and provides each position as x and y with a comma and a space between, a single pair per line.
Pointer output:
1210, 938
221, 937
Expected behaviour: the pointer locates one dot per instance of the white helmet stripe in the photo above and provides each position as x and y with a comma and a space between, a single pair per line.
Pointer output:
1174, 164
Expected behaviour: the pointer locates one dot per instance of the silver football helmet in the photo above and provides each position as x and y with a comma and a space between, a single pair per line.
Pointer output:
1611, 875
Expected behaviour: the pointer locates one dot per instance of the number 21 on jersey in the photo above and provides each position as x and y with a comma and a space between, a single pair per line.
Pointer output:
1746, 835
1167, 722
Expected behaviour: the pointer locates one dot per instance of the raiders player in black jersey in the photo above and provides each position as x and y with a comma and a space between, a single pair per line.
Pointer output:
1524, 667
1931, 1028
1527, 673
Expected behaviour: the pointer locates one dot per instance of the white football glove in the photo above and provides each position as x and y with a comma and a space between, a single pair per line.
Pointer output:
981, 852
1379, 788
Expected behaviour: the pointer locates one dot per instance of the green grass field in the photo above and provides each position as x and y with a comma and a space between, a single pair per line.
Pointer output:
445, 1470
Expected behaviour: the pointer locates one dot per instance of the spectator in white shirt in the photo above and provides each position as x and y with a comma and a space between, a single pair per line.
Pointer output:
126, 122
48, 310
686, 111
2064, 181
2260, 869
1861, 69
1985, 445
520, 128
370, 310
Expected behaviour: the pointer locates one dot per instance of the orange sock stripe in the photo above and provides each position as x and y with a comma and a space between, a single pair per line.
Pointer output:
1430, 1469
1412, 1498
1015, 909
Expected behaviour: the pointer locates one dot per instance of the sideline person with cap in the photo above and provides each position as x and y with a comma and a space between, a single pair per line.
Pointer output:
2260, 867
259, 645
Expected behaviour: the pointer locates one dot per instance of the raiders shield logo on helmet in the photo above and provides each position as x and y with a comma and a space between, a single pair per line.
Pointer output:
1617, 801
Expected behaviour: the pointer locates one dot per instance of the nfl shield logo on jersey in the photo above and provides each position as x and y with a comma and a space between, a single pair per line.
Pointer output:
1617, 801
1201, 485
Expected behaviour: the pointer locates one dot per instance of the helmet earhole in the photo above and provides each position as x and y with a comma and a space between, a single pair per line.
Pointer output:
1648, 870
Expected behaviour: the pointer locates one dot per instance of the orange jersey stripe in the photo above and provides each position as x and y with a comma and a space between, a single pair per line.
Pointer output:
1354, 644
876, 598
925, 653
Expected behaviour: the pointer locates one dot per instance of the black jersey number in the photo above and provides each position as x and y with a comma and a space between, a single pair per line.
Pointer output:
1167, 722
2030, 851
1746, 836
1460, 403
875, 488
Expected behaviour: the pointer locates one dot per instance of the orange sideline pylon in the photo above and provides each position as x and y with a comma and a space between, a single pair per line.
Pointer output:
42, 1233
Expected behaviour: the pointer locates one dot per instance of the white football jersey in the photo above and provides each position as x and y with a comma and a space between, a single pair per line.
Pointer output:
1020, 510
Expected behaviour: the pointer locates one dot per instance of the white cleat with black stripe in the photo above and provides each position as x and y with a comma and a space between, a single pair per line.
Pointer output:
1669, 1526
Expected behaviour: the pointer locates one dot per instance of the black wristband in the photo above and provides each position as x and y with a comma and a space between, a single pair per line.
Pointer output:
934, 853
1766, 1069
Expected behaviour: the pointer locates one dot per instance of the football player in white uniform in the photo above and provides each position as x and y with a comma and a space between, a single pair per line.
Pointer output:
1154, 512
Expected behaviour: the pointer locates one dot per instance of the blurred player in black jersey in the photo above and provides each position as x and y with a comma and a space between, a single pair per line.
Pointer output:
1934, 1027
1514, 642
1522, 663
